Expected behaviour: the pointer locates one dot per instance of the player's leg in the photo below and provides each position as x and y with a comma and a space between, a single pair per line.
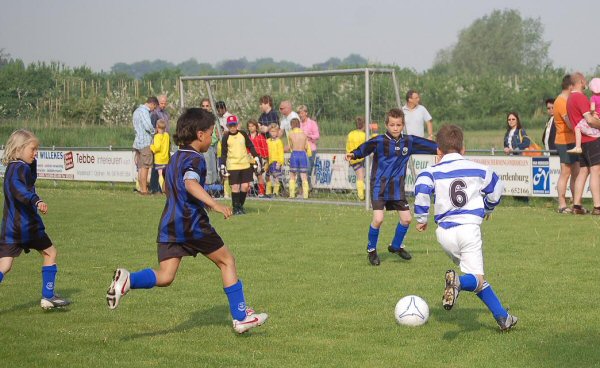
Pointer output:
244, 187
305, 188
579, 187
292, 183
49, 271
243, 318
360, 182
373, 235
5, 266
161, 180
235, 182
404, 220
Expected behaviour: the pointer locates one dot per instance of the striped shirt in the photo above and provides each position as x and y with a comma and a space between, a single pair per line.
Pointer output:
464, 191
21, 222
390, 158
184, 217
143, 127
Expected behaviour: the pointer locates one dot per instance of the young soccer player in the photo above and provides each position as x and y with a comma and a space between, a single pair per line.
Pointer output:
465, 192
391, 152
276, 157
299, 158
260, 145
184, 228
22, 226
356, 138
161, 148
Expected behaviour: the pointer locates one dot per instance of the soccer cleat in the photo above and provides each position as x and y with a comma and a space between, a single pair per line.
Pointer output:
252, 320
54, 302
373, 258
119, 286
401, 252
451, 291
506, 323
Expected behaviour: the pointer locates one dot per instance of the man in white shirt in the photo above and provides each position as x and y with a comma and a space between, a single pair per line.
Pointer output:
287, 114
416, 116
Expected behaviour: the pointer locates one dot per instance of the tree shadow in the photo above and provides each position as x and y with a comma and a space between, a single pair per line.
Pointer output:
207, 317
67, 293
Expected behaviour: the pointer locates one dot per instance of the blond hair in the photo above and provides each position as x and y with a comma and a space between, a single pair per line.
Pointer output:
161, 124
18, 140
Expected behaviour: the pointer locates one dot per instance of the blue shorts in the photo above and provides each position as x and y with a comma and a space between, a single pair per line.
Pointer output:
359, 165
299, 162
275, 170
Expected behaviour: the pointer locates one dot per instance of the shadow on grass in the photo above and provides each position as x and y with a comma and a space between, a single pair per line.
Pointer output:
465, 319
67, 293
208, 317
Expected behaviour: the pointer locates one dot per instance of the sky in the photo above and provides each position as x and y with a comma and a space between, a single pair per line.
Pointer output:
99, 34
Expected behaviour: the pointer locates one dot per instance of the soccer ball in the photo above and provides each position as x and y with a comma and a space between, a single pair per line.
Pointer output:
411, 310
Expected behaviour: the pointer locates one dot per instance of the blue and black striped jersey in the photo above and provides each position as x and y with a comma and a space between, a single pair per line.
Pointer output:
21, 222
390, 159
184, 217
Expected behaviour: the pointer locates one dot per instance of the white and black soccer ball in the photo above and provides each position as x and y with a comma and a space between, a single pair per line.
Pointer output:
411, 310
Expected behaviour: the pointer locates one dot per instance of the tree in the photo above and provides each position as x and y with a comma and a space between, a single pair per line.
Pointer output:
4, 58
500, 43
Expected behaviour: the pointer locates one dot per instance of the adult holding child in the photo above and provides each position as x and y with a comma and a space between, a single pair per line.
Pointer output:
142, 123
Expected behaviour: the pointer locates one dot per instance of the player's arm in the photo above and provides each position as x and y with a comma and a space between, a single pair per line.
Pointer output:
155, 147
423, 146
429, 124
492, 191
423, 190
363, 150
193, 187
19, 190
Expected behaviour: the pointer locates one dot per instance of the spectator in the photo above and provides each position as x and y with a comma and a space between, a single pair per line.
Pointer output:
287, 114
205, 104
583, 127
565, 140
515, 138
276, 157
268, 116
549, 135
311, 129
212, 172
160, 113
353, 141
222, 114
144, 131
161, 147
578, 110
416, 116
260, 144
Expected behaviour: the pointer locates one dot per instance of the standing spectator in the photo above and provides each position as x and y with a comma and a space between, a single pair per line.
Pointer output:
564, 141
299, 149
160, 113
311, 129
549, 135
276, 157
210, 156
583, 127
222, 114
578, 110
161, 147
287, 114
260, 144
268, 116
142, 123
416, 116
205, 104
353, 141
515, 138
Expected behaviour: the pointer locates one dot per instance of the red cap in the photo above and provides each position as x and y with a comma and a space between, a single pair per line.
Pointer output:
232, 120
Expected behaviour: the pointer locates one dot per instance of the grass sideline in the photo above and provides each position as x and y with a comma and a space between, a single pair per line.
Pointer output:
306, 266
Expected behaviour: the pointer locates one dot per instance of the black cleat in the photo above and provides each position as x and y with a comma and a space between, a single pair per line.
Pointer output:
373, 258
400, 252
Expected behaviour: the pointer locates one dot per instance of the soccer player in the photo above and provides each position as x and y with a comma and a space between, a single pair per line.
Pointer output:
356, 138
184, 228
465, 192
391, 152
276, 157
22, 226
300, 150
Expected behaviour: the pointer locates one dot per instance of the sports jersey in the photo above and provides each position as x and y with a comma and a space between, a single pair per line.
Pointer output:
21, 222
184, 217
260, 145
463, 190
275, 150
390, 158
234, 150
355, 139
161, 147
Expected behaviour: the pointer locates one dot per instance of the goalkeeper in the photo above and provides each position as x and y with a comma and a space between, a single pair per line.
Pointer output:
237, 164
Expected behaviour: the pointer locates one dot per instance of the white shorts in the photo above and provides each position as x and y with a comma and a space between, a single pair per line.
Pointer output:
463, 244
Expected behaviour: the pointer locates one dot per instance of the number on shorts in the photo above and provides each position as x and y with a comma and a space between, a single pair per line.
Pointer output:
458, 196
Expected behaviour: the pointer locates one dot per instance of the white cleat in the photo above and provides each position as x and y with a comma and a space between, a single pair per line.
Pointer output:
252, 320
54, 302
507, 323
119, 286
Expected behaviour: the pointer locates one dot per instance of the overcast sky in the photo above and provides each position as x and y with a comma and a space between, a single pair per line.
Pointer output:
409, 34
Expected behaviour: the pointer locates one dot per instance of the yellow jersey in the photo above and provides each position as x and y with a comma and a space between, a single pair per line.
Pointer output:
161, 147
275, 150
355, 139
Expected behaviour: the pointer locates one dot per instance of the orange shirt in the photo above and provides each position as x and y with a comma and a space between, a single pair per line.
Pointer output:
564, 134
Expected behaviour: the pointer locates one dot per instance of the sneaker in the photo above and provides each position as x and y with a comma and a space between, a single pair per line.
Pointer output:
119, 286
373, 258
451, 291
252, 320
54, 302
580, 211
401, 252
596, 211
506, 323
575, 150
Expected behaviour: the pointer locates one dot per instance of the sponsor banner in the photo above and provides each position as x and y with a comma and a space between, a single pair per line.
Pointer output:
332, 171
514, 171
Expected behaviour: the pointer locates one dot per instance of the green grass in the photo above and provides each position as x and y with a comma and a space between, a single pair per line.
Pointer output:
306, 266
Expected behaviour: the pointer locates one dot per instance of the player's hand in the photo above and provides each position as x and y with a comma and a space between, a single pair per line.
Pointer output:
421, 227
223, 171
349, 156
42, 207
226, 211
258, 166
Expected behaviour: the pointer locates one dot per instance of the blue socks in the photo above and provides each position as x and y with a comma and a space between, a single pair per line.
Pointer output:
144, 279
399, 236
48, 279
1, 276
468, 282
237, 302
373, 236
489, 298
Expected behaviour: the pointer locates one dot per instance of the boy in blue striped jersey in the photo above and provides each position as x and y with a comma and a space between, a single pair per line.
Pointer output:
391, 152
184, 228
465, 192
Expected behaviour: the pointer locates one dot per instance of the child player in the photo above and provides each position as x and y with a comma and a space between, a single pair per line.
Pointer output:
464, 193
161, 147
391, 152
356, 138
184, 228
22, 226
276, 157
300, 149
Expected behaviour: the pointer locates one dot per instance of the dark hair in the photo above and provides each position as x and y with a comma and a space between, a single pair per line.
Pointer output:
519, 126
191, 122
253, 122
449, 138
295, 123
410, 93
567, 82
549, 101
266, 99
394, 113
220, 105
360, 122
152, 99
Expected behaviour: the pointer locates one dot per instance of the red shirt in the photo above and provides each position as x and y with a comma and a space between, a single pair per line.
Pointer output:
577, 105
260, 144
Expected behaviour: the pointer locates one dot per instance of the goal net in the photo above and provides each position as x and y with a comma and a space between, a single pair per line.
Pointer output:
335, 99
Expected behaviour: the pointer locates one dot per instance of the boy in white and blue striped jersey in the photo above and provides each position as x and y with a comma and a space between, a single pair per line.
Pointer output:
465, 192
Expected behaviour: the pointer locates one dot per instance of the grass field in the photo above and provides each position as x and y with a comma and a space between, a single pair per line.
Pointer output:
305, 265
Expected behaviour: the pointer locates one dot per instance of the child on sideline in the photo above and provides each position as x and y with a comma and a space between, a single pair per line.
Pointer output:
236, 163
465, 192
356, 138
184, 228
22, 226
276, 157
583, 126
300, 150
391, 152
260, 144
161, 149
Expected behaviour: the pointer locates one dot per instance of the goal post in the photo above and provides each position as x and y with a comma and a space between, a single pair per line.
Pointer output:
334, 98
